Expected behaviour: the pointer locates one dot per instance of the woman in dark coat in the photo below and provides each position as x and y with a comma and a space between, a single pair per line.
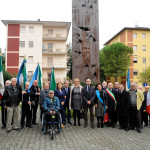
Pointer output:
100, 104
60, 93
75, 101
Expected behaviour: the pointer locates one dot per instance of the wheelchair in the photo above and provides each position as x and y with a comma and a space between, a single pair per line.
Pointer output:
51, 123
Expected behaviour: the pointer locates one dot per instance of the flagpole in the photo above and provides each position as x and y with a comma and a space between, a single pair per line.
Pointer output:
22, 94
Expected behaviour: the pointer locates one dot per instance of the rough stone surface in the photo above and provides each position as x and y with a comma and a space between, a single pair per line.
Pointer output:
75, 138
85, 40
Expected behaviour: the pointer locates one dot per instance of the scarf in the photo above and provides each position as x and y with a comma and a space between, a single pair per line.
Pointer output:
98, 95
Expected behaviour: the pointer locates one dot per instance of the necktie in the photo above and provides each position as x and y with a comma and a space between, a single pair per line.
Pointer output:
67, 90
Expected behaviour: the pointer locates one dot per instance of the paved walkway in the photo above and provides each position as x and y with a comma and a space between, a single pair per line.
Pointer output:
75, 138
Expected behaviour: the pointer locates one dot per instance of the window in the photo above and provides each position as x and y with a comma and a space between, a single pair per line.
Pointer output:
143, 36
22, 44
135, 47
135, 72
31, 44
48, 76
144, 47
21, 59
31, 29
30, 73
134, 35
144, 60
134, 59
30, 59
50, 45
22, 29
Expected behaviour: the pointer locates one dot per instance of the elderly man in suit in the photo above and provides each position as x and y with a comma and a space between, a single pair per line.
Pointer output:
112, 103
67, 91
123, 107
88, 98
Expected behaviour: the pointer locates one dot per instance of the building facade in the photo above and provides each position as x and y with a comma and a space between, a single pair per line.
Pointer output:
139, 39
39, 41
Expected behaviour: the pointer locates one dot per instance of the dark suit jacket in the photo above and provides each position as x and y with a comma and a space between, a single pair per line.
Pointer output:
111, 103
143, 107
124, 101
91, 95
67, 95
34, 97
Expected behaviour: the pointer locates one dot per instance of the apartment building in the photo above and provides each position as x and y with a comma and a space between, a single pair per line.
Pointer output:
39, 41
139, 39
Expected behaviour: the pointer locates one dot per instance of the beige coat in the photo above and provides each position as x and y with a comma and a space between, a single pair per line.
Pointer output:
70, 100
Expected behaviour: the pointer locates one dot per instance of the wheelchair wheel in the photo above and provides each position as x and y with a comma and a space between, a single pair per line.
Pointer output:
52, 134
43, 124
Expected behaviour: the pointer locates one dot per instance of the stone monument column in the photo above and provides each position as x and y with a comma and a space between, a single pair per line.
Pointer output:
85, 40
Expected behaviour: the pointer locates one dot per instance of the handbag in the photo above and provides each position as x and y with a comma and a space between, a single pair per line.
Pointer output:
106, 117
148, 109
81, 113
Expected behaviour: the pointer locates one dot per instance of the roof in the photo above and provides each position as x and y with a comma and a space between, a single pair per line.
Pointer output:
128, 28
45, 23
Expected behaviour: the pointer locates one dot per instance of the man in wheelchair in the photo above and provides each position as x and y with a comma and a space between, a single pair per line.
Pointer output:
51, 106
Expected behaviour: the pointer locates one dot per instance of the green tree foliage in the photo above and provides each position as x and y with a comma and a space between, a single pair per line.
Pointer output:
102, 75
115, 59
145, 76
7, 75
69, 63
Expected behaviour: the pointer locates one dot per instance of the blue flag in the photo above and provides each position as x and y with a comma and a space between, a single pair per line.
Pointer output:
22, 75
128, 80
37, 76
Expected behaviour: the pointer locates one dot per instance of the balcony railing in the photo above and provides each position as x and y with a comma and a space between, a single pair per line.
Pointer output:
58, 65
55, 36
47, 80
54, 51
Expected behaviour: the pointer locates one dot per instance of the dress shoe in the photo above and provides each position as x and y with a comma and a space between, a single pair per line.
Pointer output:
139, 130
29, 126
3, 126
85, 125
121, 128
126, 129
34, 123
70, 123
74, 124
131, 128
92, 126
98, 125
7, 131
22, 126
79, 124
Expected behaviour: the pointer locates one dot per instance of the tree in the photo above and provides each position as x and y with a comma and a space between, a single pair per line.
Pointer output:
102, 75
6, 75
116, 59
69, 63
145, 76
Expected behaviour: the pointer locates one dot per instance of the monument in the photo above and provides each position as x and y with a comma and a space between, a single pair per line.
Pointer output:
85, 40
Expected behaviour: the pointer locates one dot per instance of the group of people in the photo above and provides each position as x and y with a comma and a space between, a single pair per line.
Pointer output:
103, 101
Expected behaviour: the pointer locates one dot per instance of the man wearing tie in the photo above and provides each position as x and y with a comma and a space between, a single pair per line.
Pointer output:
88, 98
67, 90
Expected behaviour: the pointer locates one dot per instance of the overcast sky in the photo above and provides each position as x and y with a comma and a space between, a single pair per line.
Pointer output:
113, 14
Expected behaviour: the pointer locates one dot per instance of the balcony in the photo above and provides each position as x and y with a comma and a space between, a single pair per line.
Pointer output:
57, 65
55, 51
47, 80
59, 37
